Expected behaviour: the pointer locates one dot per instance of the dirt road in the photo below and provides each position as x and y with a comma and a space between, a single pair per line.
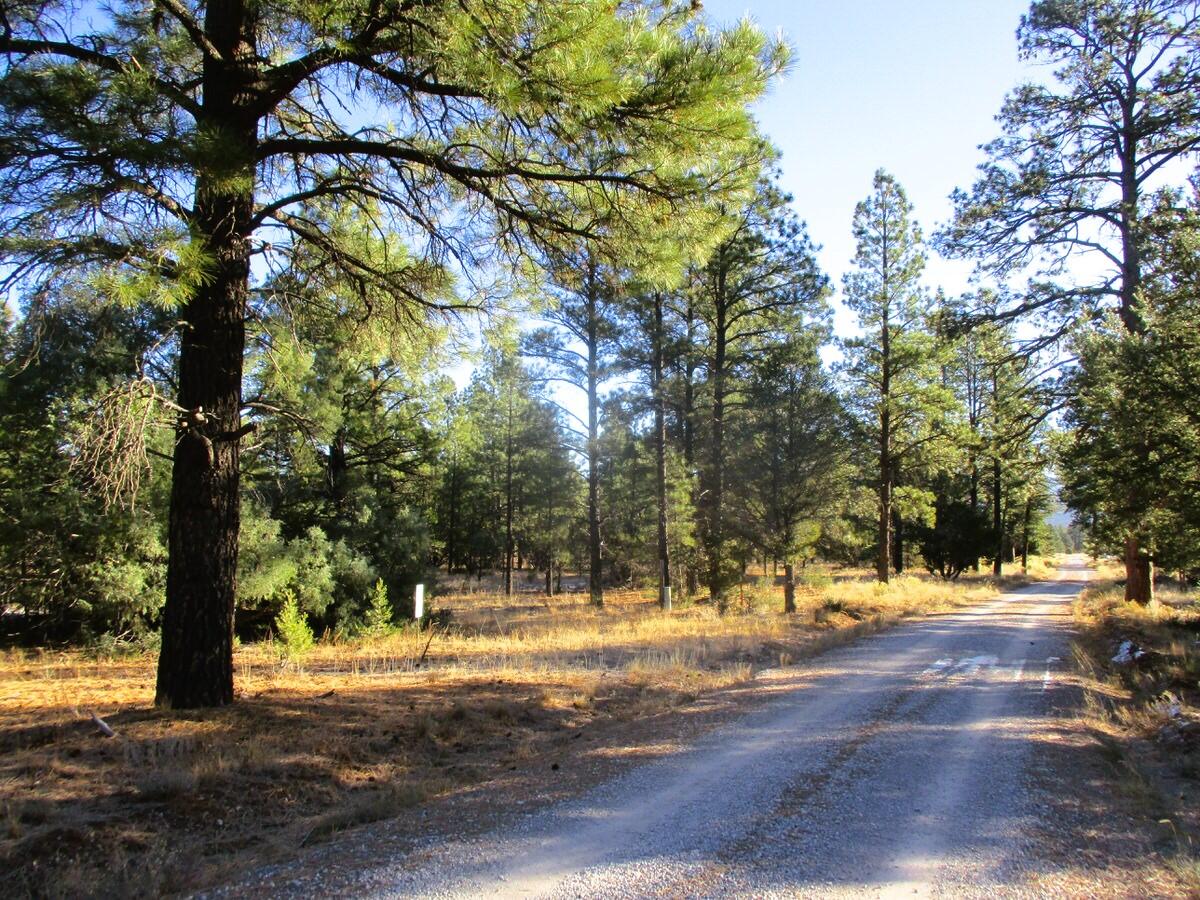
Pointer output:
906, 764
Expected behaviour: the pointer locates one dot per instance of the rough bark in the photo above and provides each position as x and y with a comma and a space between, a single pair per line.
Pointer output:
997, 517
452, 516
195, 665
716, 487
897, 542
1139, 572
691, 576
1139, 576
974, 493
508, 500
1025, 536
884, 534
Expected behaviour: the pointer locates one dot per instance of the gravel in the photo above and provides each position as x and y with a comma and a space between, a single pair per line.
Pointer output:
896, 766
930, 760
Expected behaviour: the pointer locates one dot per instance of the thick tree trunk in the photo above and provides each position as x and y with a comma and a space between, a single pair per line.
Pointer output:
336, 468
789, 587
884, 537
691, 576
1139, 570
508, 501
452, 518
1025, 537
1139, 573
884, 534
660, 454
897, 542
195, 665
974, 497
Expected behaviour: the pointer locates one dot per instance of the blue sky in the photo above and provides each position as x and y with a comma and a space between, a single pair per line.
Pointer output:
911, 86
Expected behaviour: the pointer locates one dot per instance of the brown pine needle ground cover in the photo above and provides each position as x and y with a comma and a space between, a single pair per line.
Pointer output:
1146, 712
367, 729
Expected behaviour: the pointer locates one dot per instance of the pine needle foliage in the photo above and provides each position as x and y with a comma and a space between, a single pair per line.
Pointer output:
295, 635
378, 619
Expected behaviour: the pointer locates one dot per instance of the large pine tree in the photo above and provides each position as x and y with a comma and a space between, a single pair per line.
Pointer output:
171, 144
1077, 163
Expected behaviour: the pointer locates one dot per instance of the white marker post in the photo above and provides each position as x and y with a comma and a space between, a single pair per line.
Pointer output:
419, 602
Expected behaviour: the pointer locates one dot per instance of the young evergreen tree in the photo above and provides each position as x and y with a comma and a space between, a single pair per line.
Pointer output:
552, 493
791, 458
166, 146
502, 401
345, 406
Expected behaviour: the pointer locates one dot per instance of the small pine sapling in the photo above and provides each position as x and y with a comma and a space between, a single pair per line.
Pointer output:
295, 636
378, 619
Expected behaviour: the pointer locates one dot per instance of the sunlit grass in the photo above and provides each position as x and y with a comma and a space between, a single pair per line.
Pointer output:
1136, 709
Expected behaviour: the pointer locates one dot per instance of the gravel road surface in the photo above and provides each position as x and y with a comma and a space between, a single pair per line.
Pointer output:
897, 766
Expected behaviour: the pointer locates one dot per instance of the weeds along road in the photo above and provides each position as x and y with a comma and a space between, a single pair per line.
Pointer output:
900, 765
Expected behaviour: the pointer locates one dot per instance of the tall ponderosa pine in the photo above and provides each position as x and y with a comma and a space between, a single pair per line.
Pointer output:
764, 272
577, 347
893, 369
167, 144
652, 345
1077, 162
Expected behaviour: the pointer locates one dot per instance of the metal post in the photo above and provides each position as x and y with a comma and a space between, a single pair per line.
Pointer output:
419, 602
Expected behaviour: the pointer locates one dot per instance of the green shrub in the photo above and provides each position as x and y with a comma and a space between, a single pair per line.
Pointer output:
295, 637
816, 579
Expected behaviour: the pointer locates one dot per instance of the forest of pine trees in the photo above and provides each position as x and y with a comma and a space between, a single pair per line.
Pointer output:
537, 319
633, 433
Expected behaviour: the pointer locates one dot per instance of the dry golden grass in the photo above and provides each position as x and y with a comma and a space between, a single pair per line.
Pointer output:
1146, 714
1107, 568
367, 729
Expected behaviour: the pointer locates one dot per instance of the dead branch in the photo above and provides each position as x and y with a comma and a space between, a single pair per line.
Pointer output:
110, 440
